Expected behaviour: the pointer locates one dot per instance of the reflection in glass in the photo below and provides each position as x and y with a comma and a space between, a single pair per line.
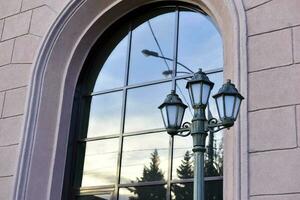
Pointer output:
184, 191
143, 193
105, 114
95, 197
199, 44
113, 71
217, 78
145, 158
156, 34
142, 111
100, 163
183, 160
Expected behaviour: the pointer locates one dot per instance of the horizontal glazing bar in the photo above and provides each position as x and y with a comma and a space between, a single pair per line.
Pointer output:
190, 180
99, 138
124, 134
153, 183
110, 188
217, 70
94, 190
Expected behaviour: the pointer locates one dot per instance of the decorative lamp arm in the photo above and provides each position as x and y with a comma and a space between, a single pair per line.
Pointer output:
185, 130
213, 125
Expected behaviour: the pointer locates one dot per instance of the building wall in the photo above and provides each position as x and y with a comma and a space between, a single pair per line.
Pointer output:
274, 97
273, 52
23, 23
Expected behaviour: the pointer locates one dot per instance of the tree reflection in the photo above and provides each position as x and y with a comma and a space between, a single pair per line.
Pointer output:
181, 191
213, 167
184, 171
151, 173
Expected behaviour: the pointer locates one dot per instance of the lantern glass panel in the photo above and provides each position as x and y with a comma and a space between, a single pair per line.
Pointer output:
196, 90
229, 105
237, 107
180, 116
172, 115
164, 116
205, 93
220, 106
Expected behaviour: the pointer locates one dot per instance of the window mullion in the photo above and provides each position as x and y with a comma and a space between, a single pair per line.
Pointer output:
118, 177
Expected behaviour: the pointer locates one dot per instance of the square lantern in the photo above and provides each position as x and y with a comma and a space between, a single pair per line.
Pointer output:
172, 111
228, 101
199, 88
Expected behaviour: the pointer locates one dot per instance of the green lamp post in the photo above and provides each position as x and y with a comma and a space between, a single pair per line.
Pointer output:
228, 101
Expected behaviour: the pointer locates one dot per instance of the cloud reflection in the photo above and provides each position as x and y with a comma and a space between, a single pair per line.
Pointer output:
200, 45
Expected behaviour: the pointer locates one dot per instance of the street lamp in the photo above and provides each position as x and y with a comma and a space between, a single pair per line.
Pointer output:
147, 53
228, 101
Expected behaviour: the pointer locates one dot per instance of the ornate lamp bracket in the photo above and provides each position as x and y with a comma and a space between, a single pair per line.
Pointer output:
185, 130
213, 125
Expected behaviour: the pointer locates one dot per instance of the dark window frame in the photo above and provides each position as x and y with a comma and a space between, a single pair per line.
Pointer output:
84, 93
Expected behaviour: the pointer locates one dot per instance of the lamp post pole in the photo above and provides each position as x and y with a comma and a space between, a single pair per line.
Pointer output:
199, 135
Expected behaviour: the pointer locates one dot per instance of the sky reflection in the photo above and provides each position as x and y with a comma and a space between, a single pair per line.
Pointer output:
200, 45
100, 163
137, 152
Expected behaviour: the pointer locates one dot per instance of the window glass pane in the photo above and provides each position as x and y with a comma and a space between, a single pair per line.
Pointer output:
105, 114
183, 159
156, 34
217, 78
184, 191
183, 93
95, 197
142, 111
112, 73
143, 193
199, 44
145, 158
100, 163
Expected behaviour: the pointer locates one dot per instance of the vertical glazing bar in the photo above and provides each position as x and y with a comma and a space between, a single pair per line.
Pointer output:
175, 56
116, 193
170, 163
199, 175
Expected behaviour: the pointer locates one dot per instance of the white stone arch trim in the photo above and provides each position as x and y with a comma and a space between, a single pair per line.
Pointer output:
57, 67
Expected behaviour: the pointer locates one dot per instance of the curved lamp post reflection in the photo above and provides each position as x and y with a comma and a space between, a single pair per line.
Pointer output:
147, 53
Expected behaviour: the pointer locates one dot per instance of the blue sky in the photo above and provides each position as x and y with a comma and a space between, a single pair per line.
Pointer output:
199, 45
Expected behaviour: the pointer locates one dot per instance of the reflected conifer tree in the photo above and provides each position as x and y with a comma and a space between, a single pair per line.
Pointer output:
151, 173
213, 167
184, 171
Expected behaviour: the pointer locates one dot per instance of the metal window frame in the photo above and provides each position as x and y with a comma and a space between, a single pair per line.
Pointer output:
82, 111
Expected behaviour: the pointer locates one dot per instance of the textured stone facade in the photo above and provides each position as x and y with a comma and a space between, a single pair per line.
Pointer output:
273, 54
274, 98
23, 23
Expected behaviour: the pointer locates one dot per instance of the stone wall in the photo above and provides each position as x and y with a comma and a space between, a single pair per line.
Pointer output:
23, 23
273, 79
274, 98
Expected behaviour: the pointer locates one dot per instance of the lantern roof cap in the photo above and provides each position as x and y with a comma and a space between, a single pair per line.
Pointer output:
228, 88
200, 76
172, 99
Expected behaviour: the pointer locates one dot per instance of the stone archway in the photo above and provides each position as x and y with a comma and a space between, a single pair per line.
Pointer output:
56, 70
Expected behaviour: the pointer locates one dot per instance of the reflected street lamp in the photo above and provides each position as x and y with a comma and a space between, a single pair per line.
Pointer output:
228, 101
147, 53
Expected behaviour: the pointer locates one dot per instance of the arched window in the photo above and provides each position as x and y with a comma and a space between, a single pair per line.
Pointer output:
119, 147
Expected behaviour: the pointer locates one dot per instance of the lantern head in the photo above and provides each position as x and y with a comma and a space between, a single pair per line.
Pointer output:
228, 101
172, 110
